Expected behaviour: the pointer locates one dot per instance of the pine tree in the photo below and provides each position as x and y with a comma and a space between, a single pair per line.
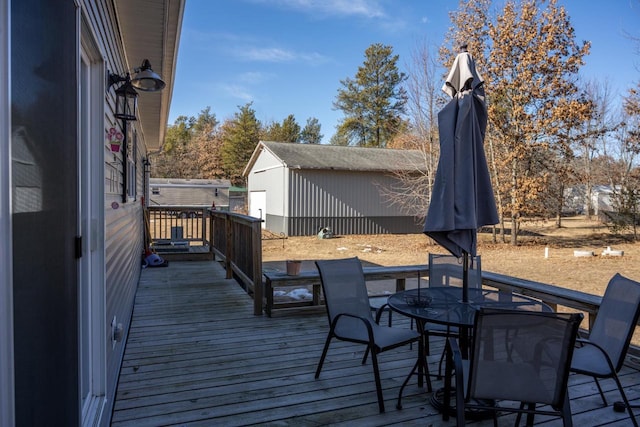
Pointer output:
311, 132
373, 103
240, 137
288, 131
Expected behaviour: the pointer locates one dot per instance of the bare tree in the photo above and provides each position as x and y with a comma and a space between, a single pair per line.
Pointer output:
413, 193
529, 59
625, 180
596, 130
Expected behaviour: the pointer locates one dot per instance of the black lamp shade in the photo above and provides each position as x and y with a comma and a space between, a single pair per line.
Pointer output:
126, 102
146, 79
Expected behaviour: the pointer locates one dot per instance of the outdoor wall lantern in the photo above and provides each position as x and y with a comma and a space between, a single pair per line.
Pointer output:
144, 78
126, 101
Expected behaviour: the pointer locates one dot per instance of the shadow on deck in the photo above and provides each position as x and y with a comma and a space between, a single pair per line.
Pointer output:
196, 355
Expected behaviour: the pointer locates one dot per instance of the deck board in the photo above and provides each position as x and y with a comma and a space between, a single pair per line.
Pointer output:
196, 355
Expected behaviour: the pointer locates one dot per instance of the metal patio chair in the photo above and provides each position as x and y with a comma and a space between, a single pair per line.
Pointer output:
603, 354
350, 317
518, 359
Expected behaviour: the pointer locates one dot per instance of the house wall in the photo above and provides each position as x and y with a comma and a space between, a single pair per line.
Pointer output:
123, 218
44, 57
124, 238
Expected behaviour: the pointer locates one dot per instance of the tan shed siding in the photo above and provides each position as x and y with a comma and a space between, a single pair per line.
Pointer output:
338, 194
347, 202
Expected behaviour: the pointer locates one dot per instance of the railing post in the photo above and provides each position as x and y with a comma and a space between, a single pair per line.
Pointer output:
256, 248
229, 249
213, 253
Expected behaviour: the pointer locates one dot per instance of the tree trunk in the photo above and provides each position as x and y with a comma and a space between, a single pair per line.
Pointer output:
559, 204
514, 199
514, 229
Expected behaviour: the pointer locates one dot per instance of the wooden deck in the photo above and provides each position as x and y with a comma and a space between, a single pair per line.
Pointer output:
196, 355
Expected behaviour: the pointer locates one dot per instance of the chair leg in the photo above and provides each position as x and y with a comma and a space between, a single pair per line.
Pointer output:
366, 354
459, 407
404, 384
604, 399
324, 354
531, 415
626, 401
566, 411
439, 376
376, 374
519, 416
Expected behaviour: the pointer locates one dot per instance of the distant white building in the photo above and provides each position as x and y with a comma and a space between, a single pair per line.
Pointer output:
576, 200
200, 193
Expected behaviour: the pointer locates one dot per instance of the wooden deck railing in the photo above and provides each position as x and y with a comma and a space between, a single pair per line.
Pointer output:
274, 279
237, 240
178, 227
554, 296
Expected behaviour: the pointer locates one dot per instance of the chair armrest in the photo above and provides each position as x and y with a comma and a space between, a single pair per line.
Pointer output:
585, 342
379, 312
366, 322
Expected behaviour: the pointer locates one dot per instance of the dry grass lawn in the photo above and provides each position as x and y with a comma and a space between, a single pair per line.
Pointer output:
527, 260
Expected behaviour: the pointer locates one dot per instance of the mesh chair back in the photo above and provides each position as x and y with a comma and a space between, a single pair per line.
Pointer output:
617, 318
345, 291
522, 355
446, 270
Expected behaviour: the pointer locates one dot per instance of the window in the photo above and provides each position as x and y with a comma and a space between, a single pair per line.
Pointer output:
131, 164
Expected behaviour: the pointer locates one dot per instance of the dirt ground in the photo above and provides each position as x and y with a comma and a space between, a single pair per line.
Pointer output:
527, 260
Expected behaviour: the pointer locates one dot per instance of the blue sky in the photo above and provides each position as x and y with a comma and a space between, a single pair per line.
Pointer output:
288, 56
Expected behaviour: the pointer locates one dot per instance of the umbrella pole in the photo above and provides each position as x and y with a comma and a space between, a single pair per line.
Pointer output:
465, 331
465, 276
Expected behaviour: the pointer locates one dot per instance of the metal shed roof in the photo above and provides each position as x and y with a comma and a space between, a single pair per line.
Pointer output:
333, 157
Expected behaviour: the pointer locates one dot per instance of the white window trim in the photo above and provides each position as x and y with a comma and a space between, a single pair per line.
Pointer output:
7, 379
93, 410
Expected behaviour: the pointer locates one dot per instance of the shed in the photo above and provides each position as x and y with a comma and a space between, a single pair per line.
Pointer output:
299, 189
189, 192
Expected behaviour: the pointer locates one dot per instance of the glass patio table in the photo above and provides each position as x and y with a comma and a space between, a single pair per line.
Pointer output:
444, 306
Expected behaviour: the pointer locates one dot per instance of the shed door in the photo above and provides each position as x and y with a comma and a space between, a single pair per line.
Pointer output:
258, 206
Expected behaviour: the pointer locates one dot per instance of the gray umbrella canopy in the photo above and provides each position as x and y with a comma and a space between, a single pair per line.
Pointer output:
462, 199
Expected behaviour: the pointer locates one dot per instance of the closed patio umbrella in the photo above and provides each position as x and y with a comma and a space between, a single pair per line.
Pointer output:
462, 198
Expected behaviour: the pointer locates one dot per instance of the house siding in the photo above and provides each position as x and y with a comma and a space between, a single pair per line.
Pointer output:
123, 244
123, 251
